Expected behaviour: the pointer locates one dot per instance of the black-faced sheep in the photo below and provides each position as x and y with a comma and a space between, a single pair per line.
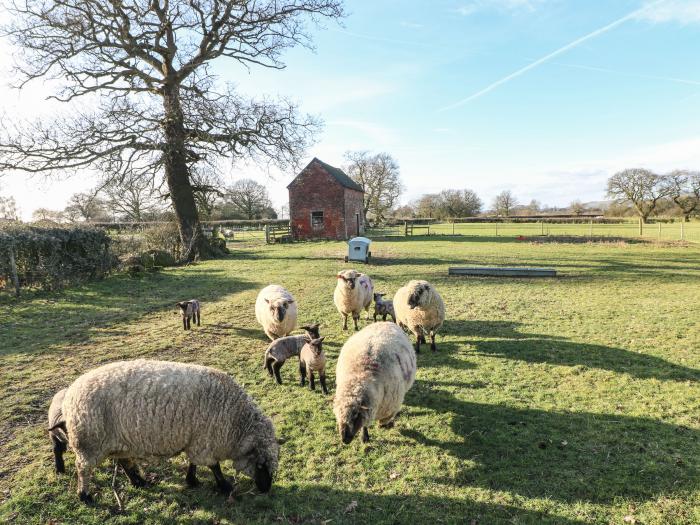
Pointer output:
420, 309
285, 347
376, 367
312, 359
383, 307
276, 311
352, 294
159, 409
189, 310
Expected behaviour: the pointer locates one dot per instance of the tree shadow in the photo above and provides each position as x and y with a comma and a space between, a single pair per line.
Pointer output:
564, 456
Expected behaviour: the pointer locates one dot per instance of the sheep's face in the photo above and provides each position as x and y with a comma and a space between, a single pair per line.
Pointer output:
278, 309
378, 297
418, 295
351, 419
184, 307
348, 278
312, 330
316, 345
259, 460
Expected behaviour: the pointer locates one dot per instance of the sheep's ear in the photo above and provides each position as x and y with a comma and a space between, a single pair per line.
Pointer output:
339, 276
268, 302
290, 301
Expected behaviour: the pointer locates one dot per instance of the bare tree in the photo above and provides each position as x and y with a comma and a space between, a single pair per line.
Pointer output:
504, 203
158, 111
458, 203
428, 205
684, 188
642, 188
248, 199
577, 208
87, 206
44, 214
134, 197
379, 177
8, 209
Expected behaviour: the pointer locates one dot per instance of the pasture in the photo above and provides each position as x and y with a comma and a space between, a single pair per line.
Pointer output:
568, 400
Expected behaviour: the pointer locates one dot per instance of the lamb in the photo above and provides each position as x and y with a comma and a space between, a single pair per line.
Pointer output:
312, 359
59, 438
276, 311
419, 308
383, 307
189, 310
157, 409
282, 349
375, 369
352, 294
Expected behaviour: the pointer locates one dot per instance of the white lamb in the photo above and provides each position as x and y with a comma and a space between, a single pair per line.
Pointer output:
420, 309
353, 293
276, 311
376, 367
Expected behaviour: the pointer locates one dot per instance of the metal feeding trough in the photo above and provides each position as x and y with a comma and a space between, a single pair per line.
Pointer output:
358, 249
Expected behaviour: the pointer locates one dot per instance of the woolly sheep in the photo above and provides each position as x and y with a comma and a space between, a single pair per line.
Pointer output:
419, 308
190, 310
312, 359
59, 438
158, 409
383, 307
276, 311
285, 347
352, 294
375, 369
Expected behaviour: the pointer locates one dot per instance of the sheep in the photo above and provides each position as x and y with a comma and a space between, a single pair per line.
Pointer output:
375, 369
383, 307
353, 293
189, 310
419, 308
158, 409
59, 438
282, 349
312, 359
276, 311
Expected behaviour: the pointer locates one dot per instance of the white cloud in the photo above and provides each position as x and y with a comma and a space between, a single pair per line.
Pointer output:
677, 11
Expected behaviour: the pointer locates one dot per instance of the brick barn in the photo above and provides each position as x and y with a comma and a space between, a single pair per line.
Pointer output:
324, 203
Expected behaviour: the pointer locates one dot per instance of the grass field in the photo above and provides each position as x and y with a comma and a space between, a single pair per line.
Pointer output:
567, 400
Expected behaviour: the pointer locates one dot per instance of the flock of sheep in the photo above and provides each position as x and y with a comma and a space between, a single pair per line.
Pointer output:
146, 409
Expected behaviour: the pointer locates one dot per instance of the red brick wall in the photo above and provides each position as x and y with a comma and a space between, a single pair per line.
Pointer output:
353, 210
315, 190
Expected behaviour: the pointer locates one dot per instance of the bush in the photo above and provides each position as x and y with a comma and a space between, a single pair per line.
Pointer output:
53, 257
163, 237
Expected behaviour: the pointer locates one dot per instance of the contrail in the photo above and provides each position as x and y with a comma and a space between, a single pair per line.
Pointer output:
554, 54
626, 74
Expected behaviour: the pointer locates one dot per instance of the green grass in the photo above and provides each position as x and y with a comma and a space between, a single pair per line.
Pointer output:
567, 400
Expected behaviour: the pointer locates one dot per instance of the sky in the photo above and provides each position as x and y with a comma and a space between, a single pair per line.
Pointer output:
546, 98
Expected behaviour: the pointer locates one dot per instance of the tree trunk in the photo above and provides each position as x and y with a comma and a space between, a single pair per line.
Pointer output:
177, 176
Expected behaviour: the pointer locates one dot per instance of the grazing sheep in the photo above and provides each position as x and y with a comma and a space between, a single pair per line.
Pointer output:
353, 293
285, 347
276, 311
376, 368
312, 359
383, 307
59, 438
158, 409
189, 310
419, 308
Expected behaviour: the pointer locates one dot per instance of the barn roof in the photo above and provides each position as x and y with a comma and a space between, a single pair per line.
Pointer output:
339, 175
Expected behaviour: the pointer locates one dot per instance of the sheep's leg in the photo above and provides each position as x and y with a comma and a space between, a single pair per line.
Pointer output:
355, 318
312, 385
199, 318
84, 468
365, 435
267, 365
322, 379
418, 341
383, 317
393, 317
132, 472
191, 477
375, 317
276, 368
270, 335
59, 447
345, 321
302, 373
433, 346
184, 323
221, 482
189, 322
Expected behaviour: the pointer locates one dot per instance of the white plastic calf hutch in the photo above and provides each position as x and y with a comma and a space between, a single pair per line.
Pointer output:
358, 249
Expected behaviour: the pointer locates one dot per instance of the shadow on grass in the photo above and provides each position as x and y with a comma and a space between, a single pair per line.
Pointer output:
87, 312
568, 457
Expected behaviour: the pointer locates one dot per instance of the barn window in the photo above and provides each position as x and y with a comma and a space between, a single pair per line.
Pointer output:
317, 220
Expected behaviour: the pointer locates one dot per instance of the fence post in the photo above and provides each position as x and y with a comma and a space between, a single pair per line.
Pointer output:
590, 229
453, 228
267, 234
496, 229
13, 270
659, 234
682, 233
641, 228
405, 228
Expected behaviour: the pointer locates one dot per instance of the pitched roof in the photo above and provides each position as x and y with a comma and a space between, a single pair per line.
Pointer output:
339, 175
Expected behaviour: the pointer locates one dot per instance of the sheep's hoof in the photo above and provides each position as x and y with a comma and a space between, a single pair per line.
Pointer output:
433, 347
365, 435
192, 481
86, 498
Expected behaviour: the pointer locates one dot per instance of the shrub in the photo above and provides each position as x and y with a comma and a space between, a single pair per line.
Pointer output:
52, 257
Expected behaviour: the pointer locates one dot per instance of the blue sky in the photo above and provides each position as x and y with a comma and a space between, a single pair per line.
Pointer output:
543, 97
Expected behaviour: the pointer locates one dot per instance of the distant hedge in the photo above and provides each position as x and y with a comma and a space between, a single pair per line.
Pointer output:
52, 257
